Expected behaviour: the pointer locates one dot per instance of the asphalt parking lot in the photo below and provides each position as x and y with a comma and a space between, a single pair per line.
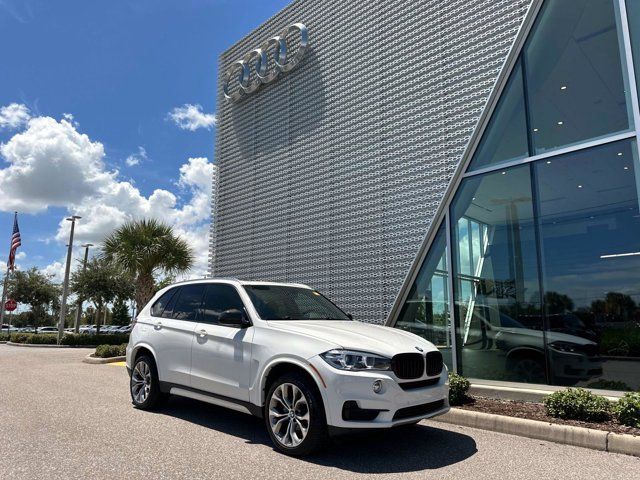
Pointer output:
63, 419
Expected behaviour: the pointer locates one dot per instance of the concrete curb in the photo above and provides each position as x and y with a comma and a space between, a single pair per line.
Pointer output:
627, 444
36, 345
96, 360
565, 434
528, 394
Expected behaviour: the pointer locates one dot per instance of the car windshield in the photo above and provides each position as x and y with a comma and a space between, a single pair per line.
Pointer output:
279, 302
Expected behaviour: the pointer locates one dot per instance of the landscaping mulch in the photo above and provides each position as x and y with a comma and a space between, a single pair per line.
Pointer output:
536, 411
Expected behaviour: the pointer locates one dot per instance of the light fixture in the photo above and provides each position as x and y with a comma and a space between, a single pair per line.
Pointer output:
614, 255
619, 154
579, 186
626, 168
504, 173
560, 122
535, 129
563, 87
377, 386
548, 162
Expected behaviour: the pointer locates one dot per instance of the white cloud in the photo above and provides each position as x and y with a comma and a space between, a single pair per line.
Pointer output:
21, 256
136, 158
52, 164
191, 117
14, 115
56, 271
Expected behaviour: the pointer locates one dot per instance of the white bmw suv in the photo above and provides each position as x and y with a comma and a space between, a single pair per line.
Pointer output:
285, 353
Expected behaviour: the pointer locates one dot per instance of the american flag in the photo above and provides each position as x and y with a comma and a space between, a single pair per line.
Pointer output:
15, 243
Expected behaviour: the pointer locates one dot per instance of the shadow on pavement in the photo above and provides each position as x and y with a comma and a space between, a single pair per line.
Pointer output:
402, 449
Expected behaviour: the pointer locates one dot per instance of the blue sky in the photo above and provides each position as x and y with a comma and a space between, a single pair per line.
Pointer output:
87, 85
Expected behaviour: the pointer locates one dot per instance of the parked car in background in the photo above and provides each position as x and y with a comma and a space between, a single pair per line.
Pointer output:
125, 329
47, 329
286, 353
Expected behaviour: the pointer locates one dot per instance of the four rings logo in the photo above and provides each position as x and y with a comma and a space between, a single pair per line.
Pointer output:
258, 61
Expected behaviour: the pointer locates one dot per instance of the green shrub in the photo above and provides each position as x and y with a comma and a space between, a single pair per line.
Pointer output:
628, 409
34, 338
624, 342
578, 404
604, 384
69, 339
458, 388
4, 337
107, 351
88, 339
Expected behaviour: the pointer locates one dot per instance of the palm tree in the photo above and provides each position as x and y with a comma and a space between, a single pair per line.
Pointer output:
146, 247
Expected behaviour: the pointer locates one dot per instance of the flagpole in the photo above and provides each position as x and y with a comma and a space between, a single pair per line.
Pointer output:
10, 265
4, 299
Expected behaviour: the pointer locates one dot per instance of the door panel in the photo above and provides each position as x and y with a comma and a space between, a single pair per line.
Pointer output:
221, 360
221, 355
172, 340
173, 333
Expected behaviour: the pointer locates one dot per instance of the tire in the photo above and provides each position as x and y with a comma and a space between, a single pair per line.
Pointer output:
286, 429
529, 369
144, 384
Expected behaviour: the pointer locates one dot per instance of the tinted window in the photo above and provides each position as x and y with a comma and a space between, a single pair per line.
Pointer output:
590, 232
506, 135
574, 76
168, 309
426, 309
188, 302
218, 299
161, 303
633, 16
495, 273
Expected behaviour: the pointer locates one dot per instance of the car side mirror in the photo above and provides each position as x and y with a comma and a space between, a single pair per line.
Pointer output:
234, 318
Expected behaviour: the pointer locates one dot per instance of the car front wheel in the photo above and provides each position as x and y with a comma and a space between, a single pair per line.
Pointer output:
294, 415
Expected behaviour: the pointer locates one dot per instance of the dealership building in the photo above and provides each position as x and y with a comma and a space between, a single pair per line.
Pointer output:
466, 170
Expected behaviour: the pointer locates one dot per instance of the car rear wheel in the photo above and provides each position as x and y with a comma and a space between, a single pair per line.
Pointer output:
144, 384
295, 416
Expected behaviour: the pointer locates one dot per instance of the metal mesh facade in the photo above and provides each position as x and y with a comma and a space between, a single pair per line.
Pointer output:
331, 174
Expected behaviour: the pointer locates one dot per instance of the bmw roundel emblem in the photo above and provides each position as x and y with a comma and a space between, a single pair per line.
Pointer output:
419, 349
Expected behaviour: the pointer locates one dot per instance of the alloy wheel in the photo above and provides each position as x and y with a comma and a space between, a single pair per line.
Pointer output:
141, 382
289, 415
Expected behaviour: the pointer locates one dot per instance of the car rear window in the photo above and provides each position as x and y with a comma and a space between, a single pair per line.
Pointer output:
158, 307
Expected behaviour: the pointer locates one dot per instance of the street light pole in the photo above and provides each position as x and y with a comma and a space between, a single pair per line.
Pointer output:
65, 285
80, 299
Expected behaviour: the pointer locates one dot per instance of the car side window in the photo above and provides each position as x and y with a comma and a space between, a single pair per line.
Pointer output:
158, 307
188, 302
168, 309
218, 298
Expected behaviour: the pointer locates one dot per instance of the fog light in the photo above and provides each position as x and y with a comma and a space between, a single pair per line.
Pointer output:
377, 386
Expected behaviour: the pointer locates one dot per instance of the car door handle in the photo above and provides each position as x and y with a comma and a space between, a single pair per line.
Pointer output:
158, 325
202, 333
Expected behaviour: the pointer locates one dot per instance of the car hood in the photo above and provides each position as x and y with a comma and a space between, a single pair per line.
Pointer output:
538, 334
356, 335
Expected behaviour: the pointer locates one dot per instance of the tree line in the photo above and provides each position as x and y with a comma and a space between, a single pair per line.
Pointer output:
136, 260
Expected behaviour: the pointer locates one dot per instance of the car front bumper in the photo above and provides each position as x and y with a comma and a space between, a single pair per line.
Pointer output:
395, 405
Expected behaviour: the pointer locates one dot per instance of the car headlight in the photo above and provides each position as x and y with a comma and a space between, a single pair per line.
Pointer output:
355, 361
567, 347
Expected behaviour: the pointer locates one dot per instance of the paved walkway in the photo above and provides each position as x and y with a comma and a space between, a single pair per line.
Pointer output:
63, 419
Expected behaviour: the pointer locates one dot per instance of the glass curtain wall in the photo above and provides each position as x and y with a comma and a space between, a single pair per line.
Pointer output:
499, 330
545, 246
426, 310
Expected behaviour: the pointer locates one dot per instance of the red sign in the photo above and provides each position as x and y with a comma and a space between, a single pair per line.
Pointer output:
10, 305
